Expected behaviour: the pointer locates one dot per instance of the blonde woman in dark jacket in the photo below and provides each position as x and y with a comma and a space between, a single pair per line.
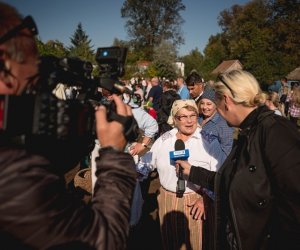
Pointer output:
257, 189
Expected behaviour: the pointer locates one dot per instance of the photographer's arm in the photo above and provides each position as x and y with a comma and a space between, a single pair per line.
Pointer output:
104, 223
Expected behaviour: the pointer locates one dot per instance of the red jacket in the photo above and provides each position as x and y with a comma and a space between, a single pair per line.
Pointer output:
152, 112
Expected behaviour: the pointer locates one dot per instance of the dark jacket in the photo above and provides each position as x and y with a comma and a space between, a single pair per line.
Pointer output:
165, 106
258, 189
38, 212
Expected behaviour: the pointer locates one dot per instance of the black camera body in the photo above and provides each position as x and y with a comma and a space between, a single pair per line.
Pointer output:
112, 60
44, 114
41, 113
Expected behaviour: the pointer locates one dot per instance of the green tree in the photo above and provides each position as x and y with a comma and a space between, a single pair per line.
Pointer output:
81, 47
264, 35
121, 43
249, 36
286, 33
164, 57
150, 22
152, 71
51, 48
215, 52
192, 61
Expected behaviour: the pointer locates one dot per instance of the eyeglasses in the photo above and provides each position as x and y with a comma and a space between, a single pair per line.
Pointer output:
27, 22
221, 78
184, 118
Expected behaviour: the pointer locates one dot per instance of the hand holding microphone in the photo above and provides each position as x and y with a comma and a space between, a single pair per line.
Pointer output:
184, 166
180, 153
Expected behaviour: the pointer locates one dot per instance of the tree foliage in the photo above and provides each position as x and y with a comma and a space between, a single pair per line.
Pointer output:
263, 35
214, 53
286, 29
51, 48
150, 22
248, 36
192, 61
81, 47
164, 57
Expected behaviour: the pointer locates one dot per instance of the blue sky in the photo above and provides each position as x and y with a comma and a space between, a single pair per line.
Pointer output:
102, 22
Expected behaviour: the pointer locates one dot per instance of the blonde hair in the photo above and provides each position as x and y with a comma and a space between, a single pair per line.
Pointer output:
241, 86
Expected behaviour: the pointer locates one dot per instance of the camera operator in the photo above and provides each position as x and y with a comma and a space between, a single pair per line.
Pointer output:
37, 211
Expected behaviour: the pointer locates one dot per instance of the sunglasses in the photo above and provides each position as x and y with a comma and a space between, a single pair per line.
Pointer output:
27, 23
221, 78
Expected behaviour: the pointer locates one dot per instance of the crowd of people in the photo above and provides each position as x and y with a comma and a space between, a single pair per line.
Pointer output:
237, 186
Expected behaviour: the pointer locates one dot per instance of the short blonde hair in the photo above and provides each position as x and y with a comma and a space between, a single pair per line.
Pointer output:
241, 86
188, 104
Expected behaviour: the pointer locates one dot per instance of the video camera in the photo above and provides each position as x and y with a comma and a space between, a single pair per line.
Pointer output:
41, 113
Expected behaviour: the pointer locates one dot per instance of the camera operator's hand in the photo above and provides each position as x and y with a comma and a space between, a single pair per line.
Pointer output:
111, 133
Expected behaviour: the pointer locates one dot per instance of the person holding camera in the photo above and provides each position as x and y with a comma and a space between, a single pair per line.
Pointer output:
257, 188
37, 211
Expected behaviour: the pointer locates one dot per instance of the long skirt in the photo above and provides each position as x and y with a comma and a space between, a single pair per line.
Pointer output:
178, 229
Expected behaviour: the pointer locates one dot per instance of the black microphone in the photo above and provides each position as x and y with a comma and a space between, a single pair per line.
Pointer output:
180, 153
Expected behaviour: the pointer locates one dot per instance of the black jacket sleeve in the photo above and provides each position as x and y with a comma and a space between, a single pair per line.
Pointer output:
202, 177
38, 212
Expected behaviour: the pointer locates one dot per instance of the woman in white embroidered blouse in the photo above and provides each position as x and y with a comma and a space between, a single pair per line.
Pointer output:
180, 217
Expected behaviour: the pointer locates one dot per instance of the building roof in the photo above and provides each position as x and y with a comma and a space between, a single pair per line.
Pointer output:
226, 66
294, 75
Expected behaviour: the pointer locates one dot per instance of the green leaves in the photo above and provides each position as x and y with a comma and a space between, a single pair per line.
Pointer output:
81, 45
150, 22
